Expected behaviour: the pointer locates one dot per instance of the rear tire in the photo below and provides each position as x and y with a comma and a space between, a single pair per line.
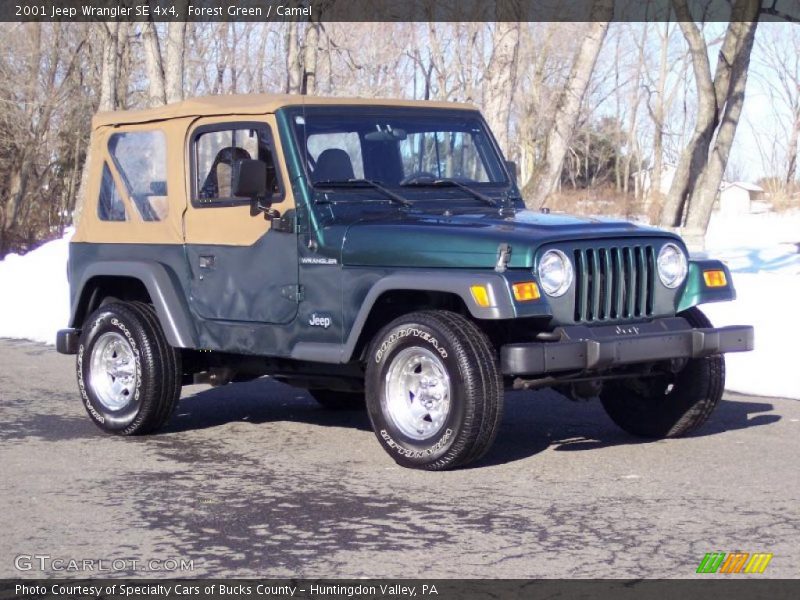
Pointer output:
335, 400
650, 408
434, 391
128, 375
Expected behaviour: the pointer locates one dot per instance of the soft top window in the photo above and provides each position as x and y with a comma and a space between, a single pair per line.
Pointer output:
109, 205
218, 150
141, 159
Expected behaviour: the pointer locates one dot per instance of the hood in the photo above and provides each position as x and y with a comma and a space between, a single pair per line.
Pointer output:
416, 239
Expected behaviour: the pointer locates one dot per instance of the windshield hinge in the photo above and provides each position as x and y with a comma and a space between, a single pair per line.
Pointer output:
293, 292
286, 223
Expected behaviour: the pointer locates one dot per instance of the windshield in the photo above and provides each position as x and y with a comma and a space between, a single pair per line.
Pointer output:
397, 147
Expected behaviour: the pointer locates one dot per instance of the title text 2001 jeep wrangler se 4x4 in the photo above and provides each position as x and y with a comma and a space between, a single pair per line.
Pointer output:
378, 252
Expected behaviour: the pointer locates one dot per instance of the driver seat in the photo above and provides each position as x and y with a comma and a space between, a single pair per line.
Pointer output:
218, 183
333, 164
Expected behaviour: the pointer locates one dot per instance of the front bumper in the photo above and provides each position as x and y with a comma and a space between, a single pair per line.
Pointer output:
598, 348
67, 341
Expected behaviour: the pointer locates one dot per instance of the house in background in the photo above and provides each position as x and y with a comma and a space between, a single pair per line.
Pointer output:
735, 198
739, 198
644, 179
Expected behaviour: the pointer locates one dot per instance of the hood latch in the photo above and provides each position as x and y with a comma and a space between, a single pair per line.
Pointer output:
503, 256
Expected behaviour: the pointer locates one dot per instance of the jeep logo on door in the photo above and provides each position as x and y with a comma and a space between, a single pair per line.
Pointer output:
323, 320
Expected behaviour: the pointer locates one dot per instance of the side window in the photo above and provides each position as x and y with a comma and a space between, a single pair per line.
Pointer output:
110, 206
217, 153
141, 159
335, 156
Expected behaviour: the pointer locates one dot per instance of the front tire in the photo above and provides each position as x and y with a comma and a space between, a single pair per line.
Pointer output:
434, 392
128, 375
669, 406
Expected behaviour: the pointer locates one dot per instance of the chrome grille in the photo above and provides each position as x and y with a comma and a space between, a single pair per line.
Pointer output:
614, 283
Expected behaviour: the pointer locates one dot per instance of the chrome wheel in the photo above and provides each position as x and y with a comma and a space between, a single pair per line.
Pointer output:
417, 393
113, 374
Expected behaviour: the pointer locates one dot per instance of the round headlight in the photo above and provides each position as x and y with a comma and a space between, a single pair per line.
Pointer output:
672, 265
555, 273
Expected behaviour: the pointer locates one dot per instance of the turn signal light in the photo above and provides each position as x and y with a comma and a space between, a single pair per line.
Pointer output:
715, 278
526, 291
480, 295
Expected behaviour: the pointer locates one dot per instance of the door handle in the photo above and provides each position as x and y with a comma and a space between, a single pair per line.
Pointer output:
207, 261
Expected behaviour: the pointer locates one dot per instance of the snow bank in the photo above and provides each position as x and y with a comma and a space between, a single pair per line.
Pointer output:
753, 231
34, 294
770, 303
760, 250
762, 253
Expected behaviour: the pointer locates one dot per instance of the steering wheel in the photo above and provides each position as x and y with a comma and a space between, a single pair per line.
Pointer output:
417, 177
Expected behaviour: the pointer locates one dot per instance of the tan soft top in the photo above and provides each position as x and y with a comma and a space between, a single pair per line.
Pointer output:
248, 104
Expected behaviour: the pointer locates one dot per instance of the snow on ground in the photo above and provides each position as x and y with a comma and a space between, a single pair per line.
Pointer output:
763, 254
34, 293
760, 249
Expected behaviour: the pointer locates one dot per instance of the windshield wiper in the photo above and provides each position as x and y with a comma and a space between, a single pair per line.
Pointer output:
452, 182
396, 198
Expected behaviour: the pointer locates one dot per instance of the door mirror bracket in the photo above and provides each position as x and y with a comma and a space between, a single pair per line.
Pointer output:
261, 205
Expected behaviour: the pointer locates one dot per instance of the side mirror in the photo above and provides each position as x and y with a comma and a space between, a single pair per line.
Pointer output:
250, 179
511, 167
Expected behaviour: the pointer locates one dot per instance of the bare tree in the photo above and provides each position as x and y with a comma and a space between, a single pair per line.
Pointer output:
155, 69
309, 85
174, 63
294, 67
109, 75
536, 84
567, 109
720, 100
500, 80
165, 69
632, 103
588, 113
661, 96
40, 142
780, 55
109, 72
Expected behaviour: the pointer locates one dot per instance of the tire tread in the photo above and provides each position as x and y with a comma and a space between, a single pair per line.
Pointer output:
481, 380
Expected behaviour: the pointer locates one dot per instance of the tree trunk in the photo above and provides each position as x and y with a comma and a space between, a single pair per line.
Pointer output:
730, 101
569, 104
436, 56
702, 164
173, 64
221, 57
501, 81
294, 70
309, 85
634, 101
262, 52
125, 64
658, 115
18, 188
20, 173
110, 66
694, 156
155, 69
108, 98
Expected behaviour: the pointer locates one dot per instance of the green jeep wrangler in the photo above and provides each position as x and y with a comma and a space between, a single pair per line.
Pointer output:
377, 253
